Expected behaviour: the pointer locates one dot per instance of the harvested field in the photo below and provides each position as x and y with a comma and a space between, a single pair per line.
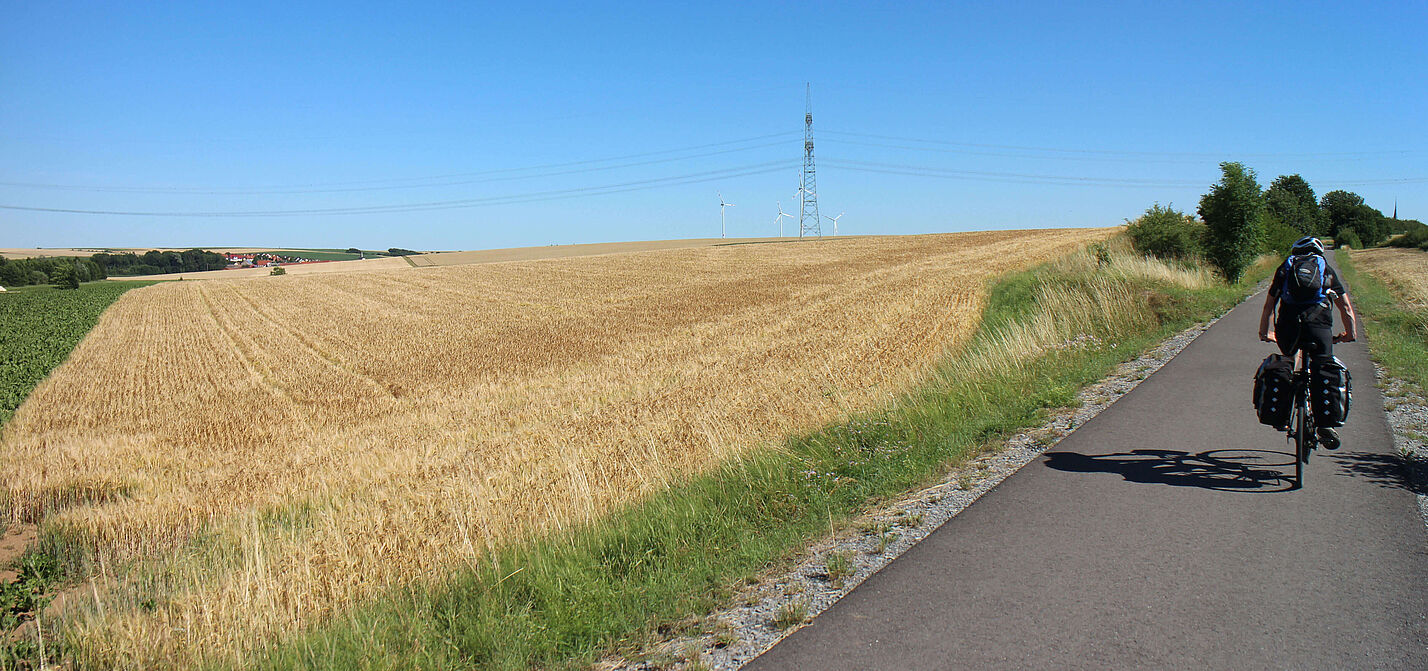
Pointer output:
32, 253
245, 457
567, 251
363, 265
476, 256
1403, 269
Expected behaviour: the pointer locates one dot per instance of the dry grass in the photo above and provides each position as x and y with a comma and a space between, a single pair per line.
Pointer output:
1084, 315
246, 457
1404, 269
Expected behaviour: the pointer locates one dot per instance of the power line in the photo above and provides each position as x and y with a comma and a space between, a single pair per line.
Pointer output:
1111, 152
537, 196
386, 184
1008, 154
1014, 177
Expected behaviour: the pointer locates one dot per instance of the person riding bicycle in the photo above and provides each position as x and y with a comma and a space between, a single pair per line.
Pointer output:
1305, 322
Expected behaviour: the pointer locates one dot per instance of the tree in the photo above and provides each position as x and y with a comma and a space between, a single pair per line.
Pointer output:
1370, 225
64, 277
1291, 200
354, 250
1231, 212
1338, 207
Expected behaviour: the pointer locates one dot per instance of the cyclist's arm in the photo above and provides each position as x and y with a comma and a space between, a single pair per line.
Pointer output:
1346, 312
1265, 333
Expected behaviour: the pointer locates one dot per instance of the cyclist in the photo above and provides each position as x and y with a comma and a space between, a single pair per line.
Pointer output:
1304, 316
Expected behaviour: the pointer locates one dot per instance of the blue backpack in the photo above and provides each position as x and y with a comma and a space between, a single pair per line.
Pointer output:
1303, 279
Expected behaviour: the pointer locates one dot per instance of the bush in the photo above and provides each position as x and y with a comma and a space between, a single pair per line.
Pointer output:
1232, 211
1166, 233
1348, 238
277, 270
1414, 236
1278, 236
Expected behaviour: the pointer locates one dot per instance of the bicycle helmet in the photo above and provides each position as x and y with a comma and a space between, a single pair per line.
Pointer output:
1307, 245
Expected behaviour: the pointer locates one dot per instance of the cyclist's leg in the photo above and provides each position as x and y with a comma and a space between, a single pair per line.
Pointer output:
1286, 332
1318, 341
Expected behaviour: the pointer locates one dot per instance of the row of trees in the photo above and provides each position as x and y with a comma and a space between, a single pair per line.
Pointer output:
66, 271
391, 251
160, 263
69, 271
1239, 221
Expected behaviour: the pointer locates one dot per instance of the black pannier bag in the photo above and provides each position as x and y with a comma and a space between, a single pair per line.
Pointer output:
1330, 391
1273, 390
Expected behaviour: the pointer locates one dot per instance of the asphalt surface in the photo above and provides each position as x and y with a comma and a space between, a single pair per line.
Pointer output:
1161, 534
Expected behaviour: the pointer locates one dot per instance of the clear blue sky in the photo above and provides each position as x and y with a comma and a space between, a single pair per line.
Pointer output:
264, 107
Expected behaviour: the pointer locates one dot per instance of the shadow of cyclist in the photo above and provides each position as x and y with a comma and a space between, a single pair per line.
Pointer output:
1251, 471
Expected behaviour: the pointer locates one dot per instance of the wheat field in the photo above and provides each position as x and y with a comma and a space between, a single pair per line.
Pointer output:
1405, 269
244, 457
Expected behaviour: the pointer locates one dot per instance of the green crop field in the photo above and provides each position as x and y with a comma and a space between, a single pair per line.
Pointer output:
38, 328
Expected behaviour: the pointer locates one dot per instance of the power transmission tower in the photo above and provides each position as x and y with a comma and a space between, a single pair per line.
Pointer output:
808, 219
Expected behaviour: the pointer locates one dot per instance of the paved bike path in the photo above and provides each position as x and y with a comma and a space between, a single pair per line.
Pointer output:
1161, 534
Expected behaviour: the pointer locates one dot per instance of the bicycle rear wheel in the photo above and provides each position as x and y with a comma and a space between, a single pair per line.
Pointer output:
1303, 438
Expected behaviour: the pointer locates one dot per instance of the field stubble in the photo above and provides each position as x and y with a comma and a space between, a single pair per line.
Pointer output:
1404, 269
243, 458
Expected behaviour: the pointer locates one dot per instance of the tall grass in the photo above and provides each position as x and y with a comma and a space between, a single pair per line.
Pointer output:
611, 585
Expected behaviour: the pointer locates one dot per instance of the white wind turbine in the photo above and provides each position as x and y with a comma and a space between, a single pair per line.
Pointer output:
779, 218
835, 221
722, 205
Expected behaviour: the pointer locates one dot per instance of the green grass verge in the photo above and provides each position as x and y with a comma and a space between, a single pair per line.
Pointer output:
39, 326
613, 586
1397, 332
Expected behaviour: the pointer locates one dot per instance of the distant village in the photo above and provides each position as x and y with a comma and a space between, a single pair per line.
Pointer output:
264, 260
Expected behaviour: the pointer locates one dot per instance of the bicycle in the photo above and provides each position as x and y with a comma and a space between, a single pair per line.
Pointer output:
1302, 432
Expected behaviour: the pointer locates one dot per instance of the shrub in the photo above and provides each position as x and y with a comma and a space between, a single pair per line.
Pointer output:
1348, 238
1278, 236
1166, 233
1414, 236
1231, 211
277, 270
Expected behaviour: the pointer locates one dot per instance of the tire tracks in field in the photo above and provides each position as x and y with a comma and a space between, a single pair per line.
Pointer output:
313, 349
261, 373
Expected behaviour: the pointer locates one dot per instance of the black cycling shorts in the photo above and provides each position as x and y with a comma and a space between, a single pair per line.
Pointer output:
1316, 339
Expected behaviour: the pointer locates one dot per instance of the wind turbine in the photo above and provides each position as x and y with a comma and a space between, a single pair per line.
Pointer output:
835, 221
722, 205
779, 218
